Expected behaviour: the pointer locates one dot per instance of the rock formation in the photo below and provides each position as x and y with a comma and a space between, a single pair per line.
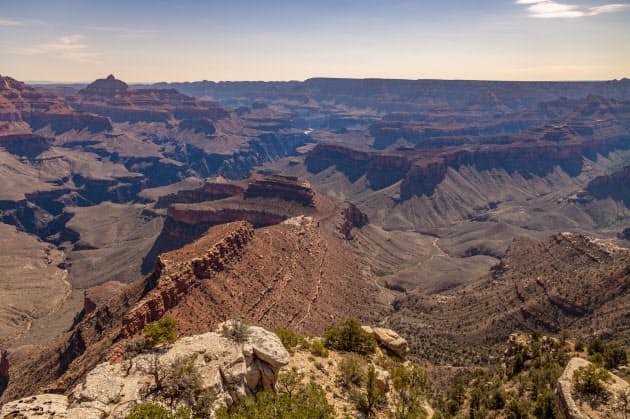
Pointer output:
113, 98
572, 405
352, 218
231, 370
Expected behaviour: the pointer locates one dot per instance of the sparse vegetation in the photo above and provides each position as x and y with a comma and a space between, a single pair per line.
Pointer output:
236, 330
411, 385
371, 399
349, 336
317, 348
160, 331
351, 370
590, 380
309, 402
148, 410
290, 339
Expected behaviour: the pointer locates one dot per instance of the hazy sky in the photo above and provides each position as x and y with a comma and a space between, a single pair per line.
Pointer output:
153, 40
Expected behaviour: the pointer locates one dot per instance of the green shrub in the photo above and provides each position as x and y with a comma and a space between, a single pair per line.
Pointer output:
589, 380
182, 383
615, 355
290, 382
149, 410
317, 348
290, 339
308, 403
411, 384
160, 331
349, 337
236, 330
351, 370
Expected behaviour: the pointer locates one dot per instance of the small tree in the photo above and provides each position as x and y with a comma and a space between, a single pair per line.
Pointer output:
149, 410
349, 336
589, 380
160, 331
411, 384
373, 397
290, 382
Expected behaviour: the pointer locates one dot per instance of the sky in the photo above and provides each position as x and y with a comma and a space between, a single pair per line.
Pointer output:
188, 40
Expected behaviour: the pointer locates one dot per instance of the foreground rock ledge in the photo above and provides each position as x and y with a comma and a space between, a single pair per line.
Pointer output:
232, 370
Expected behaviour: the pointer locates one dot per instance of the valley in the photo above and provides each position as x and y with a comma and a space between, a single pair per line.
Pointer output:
453, 212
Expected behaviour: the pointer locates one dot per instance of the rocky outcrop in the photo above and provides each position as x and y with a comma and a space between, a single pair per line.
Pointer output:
210, 191
201, 125
173, 277
389, 340
20, 103
615, 186
100, 294
287, 188
229, 369
571, 405
113, 98
63, 122
352, 218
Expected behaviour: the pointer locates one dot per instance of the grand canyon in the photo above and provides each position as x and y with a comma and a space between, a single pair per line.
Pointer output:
327, 247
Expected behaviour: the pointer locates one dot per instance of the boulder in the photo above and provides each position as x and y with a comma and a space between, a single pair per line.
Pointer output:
390, 340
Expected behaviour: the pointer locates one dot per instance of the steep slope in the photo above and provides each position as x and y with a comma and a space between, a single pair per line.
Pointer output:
294, 274
567, 282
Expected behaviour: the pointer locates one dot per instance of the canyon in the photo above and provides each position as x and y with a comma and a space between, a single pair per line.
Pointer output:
453, 212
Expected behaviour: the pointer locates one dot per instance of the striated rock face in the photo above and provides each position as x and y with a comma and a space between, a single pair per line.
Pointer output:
171, 279
229, 369
352, 218
615, 186
421, 171
287, 188
23, 108
573, 406
115, 99
210, 191
201, 125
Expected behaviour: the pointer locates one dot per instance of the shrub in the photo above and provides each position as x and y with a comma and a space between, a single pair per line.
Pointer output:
160, 331
182, 383
236, 330
149, 410
579, 345
351, 369
317, 348
290, 382
589, 380
615, 355
290, 339
368, 402
411, 384
349, 337
308, 403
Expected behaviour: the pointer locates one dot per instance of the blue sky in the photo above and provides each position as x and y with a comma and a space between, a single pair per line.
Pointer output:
146, 41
